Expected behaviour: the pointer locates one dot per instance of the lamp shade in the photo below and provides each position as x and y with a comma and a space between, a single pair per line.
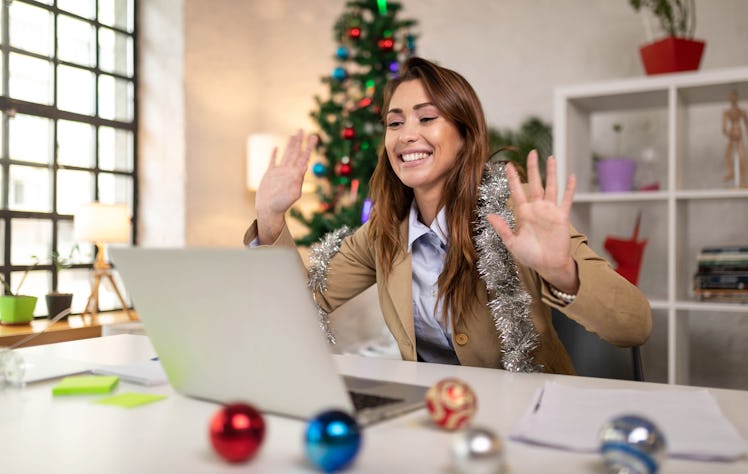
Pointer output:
102, 223
259, 150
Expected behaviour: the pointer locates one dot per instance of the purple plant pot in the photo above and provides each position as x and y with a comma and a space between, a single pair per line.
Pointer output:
615, 174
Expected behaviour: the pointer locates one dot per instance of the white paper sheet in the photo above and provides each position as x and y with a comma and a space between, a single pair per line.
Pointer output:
570, 418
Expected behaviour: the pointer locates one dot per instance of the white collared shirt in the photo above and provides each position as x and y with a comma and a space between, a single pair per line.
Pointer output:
428, 248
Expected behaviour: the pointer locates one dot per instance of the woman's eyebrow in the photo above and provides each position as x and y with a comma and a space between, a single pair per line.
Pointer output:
415, 107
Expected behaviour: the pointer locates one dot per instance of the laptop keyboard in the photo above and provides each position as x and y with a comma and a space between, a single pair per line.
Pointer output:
366, 400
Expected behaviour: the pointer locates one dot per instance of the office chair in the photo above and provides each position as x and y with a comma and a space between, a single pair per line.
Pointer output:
592, 356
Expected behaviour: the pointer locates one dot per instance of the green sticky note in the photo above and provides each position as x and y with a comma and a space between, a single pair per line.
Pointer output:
85, 385
130, 399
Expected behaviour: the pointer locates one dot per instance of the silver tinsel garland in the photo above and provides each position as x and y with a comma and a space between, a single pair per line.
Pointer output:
319, 264
509, 303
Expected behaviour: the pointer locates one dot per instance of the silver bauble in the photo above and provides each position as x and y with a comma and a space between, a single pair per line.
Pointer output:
477, 451
632, 444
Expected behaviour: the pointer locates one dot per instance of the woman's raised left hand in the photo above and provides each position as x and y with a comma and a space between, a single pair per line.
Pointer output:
541, 237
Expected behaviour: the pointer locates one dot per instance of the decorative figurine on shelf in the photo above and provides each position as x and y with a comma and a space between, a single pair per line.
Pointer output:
735, 153
627, 253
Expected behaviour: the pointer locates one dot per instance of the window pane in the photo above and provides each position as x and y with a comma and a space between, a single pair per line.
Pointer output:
117, 13
29, 138
2, 243
29, 190
115, 189
66, 242
31, 28
75, 144
74, 188
37, 241
35, 284
84, 8
75, 41
30, 79
115, 149
75, 90
115, 52
115, 98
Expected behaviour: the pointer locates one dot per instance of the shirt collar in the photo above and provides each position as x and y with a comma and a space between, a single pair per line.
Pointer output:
417, 228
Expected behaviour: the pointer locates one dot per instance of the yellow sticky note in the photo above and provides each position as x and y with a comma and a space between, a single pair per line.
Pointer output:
85, 385
130, 399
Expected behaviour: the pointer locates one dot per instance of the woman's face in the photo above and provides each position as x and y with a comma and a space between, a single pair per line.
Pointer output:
421, 144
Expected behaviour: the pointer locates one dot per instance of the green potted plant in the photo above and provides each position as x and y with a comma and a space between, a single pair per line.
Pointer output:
14, 307
615, 173
678, 51
58, 301
515, 145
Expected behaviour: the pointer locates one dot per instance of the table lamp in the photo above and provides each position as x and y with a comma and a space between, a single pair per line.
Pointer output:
102, 224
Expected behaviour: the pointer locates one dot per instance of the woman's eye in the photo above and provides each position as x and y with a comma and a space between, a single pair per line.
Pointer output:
427, 119
394, 124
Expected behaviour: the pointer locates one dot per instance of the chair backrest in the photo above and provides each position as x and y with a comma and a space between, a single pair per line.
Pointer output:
594, 357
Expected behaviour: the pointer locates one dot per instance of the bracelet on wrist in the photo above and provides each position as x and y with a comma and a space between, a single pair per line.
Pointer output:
565, 297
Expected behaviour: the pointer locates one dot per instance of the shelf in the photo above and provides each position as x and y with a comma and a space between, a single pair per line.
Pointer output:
678, 116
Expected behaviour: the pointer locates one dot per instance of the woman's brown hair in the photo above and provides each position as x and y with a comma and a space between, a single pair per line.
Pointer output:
457, 102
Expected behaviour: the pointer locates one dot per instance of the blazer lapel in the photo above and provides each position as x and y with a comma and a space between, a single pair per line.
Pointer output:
400, 286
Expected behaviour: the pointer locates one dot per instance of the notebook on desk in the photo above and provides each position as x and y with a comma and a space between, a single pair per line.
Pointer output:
240, 325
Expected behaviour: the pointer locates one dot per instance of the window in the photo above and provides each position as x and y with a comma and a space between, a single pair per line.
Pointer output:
67, 136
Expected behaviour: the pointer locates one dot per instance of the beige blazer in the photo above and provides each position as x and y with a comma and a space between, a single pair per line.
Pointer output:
606, 303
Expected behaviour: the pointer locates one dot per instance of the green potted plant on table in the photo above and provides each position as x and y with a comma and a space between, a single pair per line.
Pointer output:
678, 51
58, 301
14, 307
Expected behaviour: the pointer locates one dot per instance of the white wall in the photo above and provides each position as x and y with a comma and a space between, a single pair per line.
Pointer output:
244, 66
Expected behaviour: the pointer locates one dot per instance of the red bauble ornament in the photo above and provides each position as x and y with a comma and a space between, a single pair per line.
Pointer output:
237, 431
451, 403
344, 169
365, 102
354, 32
348, 133
386, 44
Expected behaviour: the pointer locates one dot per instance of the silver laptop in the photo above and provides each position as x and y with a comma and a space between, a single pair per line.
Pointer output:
240, 325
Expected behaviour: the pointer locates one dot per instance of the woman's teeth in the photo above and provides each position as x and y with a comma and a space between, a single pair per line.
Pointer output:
414, 156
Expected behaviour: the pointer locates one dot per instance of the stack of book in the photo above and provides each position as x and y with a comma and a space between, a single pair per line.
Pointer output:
722, 274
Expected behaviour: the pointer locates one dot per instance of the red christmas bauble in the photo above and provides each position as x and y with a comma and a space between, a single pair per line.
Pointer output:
386, 44
344, 169
237, 431
451, 403
354, 32
348, 133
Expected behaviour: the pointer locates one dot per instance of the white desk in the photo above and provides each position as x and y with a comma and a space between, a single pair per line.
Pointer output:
39, 433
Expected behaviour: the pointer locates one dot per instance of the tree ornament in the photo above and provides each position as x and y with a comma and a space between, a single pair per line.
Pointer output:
633, 444
324, 207
319, 169
354, 32
342, 53
348, 133
394, 67
237, 431
345, 169
365, 102
410, 42
345, 160
386, 44
451, 403
340, 74
332, 440
477, 451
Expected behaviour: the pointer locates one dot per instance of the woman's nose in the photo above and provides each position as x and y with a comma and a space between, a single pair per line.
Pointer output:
408, 133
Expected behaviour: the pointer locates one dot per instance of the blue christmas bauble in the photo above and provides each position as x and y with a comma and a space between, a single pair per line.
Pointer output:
319, 170
332, 440
339, 73
342, 53
632, 444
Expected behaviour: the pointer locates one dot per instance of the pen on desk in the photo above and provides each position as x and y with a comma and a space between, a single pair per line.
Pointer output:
537, 403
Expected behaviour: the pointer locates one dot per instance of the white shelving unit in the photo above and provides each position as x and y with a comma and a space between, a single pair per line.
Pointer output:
680, 115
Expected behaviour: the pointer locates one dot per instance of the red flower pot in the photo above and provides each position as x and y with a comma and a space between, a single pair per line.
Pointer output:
671, 55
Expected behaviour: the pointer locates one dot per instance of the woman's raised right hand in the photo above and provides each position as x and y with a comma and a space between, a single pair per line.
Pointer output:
281, 185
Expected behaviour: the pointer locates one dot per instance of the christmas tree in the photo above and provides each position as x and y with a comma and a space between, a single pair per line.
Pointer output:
372, 43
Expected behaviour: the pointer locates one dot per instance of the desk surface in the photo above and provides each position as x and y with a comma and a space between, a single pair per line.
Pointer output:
39, 433
73, 328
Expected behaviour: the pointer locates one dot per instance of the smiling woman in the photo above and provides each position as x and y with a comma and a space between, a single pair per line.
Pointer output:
465, 275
